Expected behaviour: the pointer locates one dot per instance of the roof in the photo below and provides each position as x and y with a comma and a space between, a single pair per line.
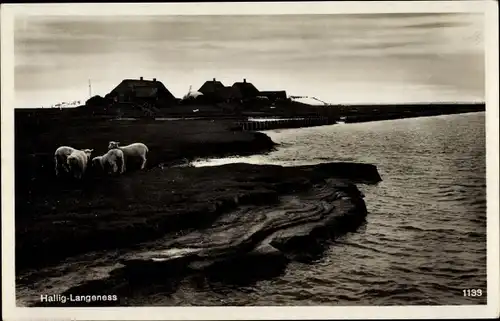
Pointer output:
247, 89
144, 88
146, 91
131, 83
211, 86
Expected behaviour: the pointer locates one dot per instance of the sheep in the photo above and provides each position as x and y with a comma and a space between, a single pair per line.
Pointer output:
113, 162
60, 156
77, 162
135, 150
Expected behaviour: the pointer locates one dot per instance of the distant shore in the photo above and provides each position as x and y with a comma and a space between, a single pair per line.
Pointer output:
283, 115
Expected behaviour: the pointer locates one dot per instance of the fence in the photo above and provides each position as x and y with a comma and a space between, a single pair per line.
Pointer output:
283, 123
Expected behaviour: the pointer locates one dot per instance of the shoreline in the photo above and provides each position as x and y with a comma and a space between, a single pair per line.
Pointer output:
249, 215
154, 203
59, 221
51, 212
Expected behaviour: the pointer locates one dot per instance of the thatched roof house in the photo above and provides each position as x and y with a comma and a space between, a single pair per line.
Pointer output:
210, 87
246, 89
215, 91
133, 90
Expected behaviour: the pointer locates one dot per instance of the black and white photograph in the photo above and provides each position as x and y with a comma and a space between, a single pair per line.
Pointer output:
257, 156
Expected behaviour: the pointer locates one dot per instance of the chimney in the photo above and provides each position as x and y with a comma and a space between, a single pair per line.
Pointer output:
245, 80
141, 78
214, 79
154, 79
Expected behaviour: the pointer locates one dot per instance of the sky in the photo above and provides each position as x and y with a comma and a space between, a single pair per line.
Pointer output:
370, 58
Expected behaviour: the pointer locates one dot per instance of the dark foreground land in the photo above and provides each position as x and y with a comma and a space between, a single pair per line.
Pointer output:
236, 223
172, 220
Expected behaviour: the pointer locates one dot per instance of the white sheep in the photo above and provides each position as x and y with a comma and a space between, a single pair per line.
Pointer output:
135, 150
60, 156
113, 162
78, 161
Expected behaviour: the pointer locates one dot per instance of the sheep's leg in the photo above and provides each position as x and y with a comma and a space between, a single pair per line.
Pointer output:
77, 173
120, 165
143, 162
57, 166
66, 168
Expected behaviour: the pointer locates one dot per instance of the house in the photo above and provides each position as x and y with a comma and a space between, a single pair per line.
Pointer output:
140, 90
214, 91
210, 87
246, 89
274, 95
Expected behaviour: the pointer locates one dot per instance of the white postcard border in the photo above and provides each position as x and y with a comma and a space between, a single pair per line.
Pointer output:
11, 312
